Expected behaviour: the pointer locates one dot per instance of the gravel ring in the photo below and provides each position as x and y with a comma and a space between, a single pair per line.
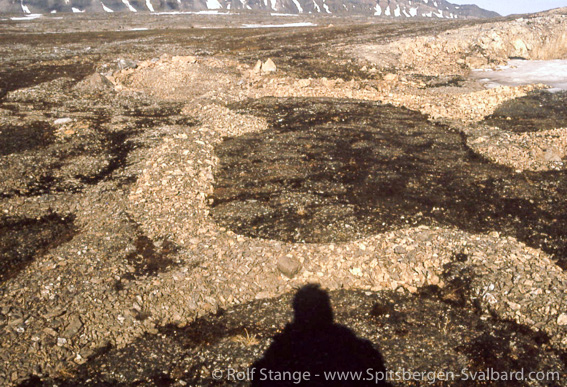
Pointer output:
174, 189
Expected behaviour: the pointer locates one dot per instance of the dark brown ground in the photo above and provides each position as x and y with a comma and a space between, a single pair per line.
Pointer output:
337, 170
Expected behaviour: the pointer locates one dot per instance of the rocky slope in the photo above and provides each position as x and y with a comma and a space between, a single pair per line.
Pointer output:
385, 8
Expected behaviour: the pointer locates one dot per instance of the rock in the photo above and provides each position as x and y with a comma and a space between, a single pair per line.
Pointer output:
356, 271
124, 64
258, 67
552, 155
62, 121
95, 81
562, 319
400, 250
269, 66
73, 328
263, 295
184, 60
288, 266
79, 359
391, 77
520, 49
476, 61
50, 332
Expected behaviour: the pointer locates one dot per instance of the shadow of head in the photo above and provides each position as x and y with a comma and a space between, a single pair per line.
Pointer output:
312, 308
312, 348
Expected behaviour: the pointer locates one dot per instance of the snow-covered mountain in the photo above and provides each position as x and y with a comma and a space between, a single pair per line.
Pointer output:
382, 8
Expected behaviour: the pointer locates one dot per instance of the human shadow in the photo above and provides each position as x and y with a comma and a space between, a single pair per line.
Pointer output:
312, 350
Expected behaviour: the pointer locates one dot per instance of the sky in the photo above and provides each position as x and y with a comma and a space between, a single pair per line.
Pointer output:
507, 7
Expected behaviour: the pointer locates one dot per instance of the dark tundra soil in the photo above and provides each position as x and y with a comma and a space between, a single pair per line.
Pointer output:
22, 240
337, 170
537, 111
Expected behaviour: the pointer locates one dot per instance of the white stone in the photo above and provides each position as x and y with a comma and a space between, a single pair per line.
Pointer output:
269, 66
62, 121
562, 319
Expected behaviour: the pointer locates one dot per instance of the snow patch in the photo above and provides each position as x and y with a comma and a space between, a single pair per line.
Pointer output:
274, 5
54, 11
77, 10
105, 8
25, 8
428, 14
326, 7
413, 11
286, 25
150, 6
397, 11
525, 72
439, 15
127, 3
387, 12
405, 13
213, 4
211, 12
30, 16
378, 10
283, 14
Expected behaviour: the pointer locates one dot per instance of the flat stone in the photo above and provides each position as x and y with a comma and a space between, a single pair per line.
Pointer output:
73, 328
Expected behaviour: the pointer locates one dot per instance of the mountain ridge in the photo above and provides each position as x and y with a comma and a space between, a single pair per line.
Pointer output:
381, 8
